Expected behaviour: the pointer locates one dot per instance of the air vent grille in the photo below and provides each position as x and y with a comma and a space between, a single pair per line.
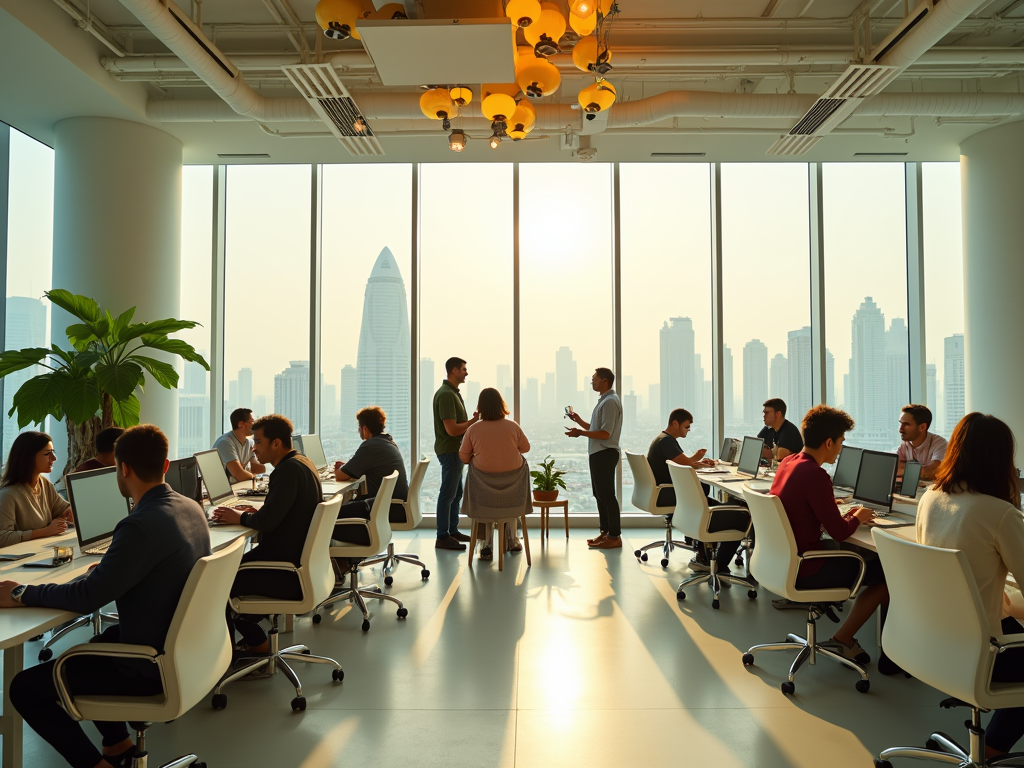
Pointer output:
320, 86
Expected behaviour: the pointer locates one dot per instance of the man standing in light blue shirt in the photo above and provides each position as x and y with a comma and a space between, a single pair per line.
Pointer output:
602, 433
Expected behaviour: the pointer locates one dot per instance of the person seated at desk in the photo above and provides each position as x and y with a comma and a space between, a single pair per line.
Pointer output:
805, 490
236, 448
283, 522
493, 445
917, 443
665, 448
781, 436
104, 457
375, 458
30, 507
151, 557
974, 506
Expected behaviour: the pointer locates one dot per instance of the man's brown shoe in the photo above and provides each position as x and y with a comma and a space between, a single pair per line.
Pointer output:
449, 542
600, 537
608, 542
460, 536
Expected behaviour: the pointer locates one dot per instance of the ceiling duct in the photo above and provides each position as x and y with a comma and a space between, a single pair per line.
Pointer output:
320, 86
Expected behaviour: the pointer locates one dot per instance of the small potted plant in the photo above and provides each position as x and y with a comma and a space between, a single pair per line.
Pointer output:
547, 481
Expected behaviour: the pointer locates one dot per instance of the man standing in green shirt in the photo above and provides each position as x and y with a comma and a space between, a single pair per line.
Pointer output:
450, 423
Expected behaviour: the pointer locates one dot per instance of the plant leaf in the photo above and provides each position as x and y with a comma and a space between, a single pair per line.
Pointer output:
37, 398
163, 373
177, 347
120, 380
126, 413
19, 359
158, 328
123, 321
80, 335
80, 397
85, 309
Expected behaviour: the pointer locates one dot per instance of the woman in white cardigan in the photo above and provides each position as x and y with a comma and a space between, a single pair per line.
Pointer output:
974, 506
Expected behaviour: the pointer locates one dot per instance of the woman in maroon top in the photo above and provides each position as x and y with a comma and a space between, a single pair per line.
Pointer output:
805, 489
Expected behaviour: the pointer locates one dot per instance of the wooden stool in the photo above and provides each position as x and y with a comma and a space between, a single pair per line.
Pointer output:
501, 538
545, 512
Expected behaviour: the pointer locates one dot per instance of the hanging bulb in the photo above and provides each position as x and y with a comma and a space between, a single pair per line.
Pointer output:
495, 141
523, 12
457, 140
583, 8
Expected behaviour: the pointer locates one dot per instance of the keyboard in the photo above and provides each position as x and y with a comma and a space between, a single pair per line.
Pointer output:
99, 549
849, 506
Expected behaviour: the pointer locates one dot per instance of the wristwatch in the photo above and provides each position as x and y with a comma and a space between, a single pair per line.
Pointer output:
17, 592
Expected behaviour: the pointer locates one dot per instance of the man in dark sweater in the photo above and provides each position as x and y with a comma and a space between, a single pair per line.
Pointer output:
150, 558
283, 522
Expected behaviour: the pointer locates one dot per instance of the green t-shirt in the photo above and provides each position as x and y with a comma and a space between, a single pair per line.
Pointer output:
447, 405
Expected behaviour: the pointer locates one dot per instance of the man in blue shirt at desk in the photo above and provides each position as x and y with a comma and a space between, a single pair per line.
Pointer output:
144, 572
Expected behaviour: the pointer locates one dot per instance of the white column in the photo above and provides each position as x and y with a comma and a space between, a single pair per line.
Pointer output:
992, 163
117, 230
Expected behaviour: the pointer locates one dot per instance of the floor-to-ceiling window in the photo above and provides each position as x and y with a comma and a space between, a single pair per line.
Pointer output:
266, 295
196, 275
766, 292
29, 262
366, 237
866, 296
465, 289
944, 294
665, 219
565, 247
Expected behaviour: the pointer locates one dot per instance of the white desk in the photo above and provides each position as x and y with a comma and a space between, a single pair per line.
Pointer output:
19, 624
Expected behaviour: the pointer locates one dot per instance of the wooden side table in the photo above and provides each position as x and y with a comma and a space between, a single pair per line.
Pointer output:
545, 515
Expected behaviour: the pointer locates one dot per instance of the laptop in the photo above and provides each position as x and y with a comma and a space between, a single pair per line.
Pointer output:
312, 448
211, 468
749, 461
183, 477
847, 467
875, 481
911, 477
730, 449
98, 506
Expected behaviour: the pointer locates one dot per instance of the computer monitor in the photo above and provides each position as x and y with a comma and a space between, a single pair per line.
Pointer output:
297, 444
183, 477
730, 446
313, 450
876, 478
750, 456
847, 467
97, 504
212, 470
911, 476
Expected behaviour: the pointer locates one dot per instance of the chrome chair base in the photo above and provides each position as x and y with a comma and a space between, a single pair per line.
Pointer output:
391, 560
359, 594
666, 545
940, 748
715, 580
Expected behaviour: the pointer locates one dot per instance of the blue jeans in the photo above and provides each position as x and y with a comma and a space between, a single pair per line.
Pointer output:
450, 494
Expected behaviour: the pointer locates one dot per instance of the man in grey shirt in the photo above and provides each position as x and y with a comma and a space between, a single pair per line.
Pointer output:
602, 433
236, 448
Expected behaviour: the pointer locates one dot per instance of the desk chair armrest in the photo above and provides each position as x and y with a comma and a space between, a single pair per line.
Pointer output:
825, 554
111, 650
269, 565
352, 521
1007, 642
665, 485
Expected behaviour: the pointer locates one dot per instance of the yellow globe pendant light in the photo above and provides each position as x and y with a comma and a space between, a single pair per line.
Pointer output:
497, 101
437, 104
597, 97
461, 95
545, 32
337, 18
522, 120
583, 8
523, 12
537, 77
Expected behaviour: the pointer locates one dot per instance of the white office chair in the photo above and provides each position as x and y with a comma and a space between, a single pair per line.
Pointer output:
774, 564
195, 654
316, 579
695, 518
379, 530
645, 498
938, 631
413, 516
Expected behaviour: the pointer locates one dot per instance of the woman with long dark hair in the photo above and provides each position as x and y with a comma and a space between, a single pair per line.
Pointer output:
30, 507
974, 506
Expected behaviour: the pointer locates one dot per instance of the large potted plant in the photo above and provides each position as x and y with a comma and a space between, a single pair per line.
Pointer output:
92, 385
547, 481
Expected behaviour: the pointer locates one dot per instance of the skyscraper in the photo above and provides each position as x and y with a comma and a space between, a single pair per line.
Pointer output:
702, 403
953, 379
531, 399
349, 396
830, 378
195, 378
383, 359
428, 385
897, 366
727, 385
629, 413
755, 380
868, 398
472, 395
931, 390
245, 388
505, 383
291, 394
798, 354
778, 377
548, 406
565, 378
678, 376
193, 411
328, 406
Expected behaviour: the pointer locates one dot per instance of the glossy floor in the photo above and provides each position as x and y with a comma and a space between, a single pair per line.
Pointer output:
584, 659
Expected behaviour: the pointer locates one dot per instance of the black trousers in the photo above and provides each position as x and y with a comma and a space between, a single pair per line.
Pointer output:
842, 571
34, 696
727, 520
277, 585
602, 482
1007, 725
357, 534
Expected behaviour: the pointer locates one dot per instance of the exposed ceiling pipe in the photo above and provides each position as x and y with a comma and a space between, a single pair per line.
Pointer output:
92, 25
942, 19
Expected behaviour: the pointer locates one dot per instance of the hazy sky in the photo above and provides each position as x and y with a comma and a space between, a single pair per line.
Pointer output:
30, 217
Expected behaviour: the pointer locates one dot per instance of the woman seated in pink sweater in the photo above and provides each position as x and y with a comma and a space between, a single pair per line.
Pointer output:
494, 444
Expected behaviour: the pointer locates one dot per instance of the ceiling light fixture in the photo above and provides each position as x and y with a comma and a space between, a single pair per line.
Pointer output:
495, 141
457, 140
582, 8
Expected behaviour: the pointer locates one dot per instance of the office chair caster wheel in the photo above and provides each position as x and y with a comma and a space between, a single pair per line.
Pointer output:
366, 625
403, 612
883, 764
863, 685
637, 554
299, 704
748, 659
788, 688
424, 574
46, 654
664, 562
716, 604
337, 675
220, 701
752, 593
680, 595
389, 580
644, 557
738, 561
317, 618
933, 745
